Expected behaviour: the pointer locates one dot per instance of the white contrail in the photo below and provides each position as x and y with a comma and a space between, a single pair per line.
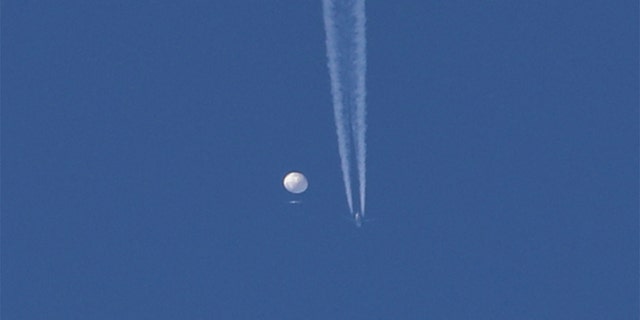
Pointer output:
360, 98
344, 22
336, 92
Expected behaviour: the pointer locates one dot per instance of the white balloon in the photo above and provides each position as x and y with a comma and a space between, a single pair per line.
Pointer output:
295, 182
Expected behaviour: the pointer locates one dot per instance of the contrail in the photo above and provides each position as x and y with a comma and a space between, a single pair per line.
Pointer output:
360, 97
336, 92
344, 22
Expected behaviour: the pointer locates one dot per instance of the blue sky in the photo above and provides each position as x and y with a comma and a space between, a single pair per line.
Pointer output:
144, 143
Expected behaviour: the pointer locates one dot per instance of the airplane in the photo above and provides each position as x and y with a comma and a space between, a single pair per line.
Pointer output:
357, 218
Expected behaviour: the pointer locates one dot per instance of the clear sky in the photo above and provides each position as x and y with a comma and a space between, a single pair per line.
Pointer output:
144, 145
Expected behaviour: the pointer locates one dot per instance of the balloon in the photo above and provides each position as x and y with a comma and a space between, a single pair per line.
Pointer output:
295, 182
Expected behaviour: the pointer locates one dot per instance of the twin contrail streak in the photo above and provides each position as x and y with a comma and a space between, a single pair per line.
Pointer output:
344, 22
